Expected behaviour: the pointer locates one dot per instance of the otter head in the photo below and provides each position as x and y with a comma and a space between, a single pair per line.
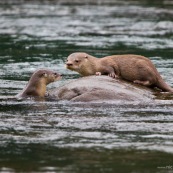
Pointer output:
36, 86
45, 76
41, 78
76, 60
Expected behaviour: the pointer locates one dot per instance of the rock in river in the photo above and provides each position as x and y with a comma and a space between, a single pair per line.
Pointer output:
101, 88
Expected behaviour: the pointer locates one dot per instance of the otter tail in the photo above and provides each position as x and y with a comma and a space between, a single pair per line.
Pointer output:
163, 86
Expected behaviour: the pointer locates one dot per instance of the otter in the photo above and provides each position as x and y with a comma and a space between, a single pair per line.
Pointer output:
36, 86
135, 68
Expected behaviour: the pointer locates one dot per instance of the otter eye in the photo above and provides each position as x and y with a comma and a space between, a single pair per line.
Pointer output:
55, 74
76, 61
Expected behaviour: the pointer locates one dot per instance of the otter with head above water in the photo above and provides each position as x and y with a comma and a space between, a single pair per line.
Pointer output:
36, 86
134, 68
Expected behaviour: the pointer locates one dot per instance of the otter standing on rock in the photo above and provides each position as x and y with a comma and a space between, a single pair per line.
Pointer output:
134, 68
36, 86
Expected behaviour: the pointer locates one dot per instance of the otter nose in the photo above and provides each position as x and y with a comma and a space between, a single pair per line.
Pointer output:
57, 74
60, 75
69, 63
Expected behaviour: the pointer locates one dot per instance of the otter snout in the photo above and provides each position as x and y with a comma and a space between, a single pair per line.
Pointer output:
53, 76
57, 76
69, 64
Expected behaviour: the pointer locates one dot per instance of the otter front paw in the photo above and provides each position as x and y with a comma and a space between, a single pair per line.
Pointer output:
98, 73
113, 75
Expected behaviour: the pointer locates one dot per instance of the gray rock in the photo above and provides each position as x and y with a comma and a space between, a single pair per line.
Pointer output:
101, 88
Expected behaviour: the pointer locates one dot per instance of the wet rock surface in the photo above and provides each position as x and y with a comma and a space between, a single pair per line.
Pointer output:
101, 88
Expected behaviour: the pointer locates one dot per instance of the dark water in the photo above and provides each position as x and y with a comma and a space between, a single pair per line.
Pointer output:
85, 138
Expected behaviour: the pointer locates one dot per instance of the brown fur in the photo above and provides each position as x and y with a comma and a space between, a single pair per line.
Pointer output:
36, 86
134, 68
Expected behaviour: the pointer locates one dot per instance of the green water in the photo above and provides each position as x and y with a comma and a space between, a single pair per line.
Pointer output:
64, 137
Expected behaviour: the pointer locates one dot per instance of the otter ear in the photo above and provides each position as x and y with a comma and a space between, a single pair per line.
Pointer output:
45, 75
86, 58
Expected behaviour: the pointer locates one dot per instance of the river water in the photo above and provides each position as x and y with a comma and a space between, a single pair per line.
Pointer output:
65, 137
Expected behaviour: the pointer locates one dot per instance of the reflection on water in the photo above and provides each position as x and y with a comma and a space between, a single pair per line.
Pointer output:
61, 136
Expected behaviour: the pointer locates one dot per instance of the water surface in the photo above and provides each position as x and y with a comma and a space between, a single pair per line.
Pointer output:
69, 137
